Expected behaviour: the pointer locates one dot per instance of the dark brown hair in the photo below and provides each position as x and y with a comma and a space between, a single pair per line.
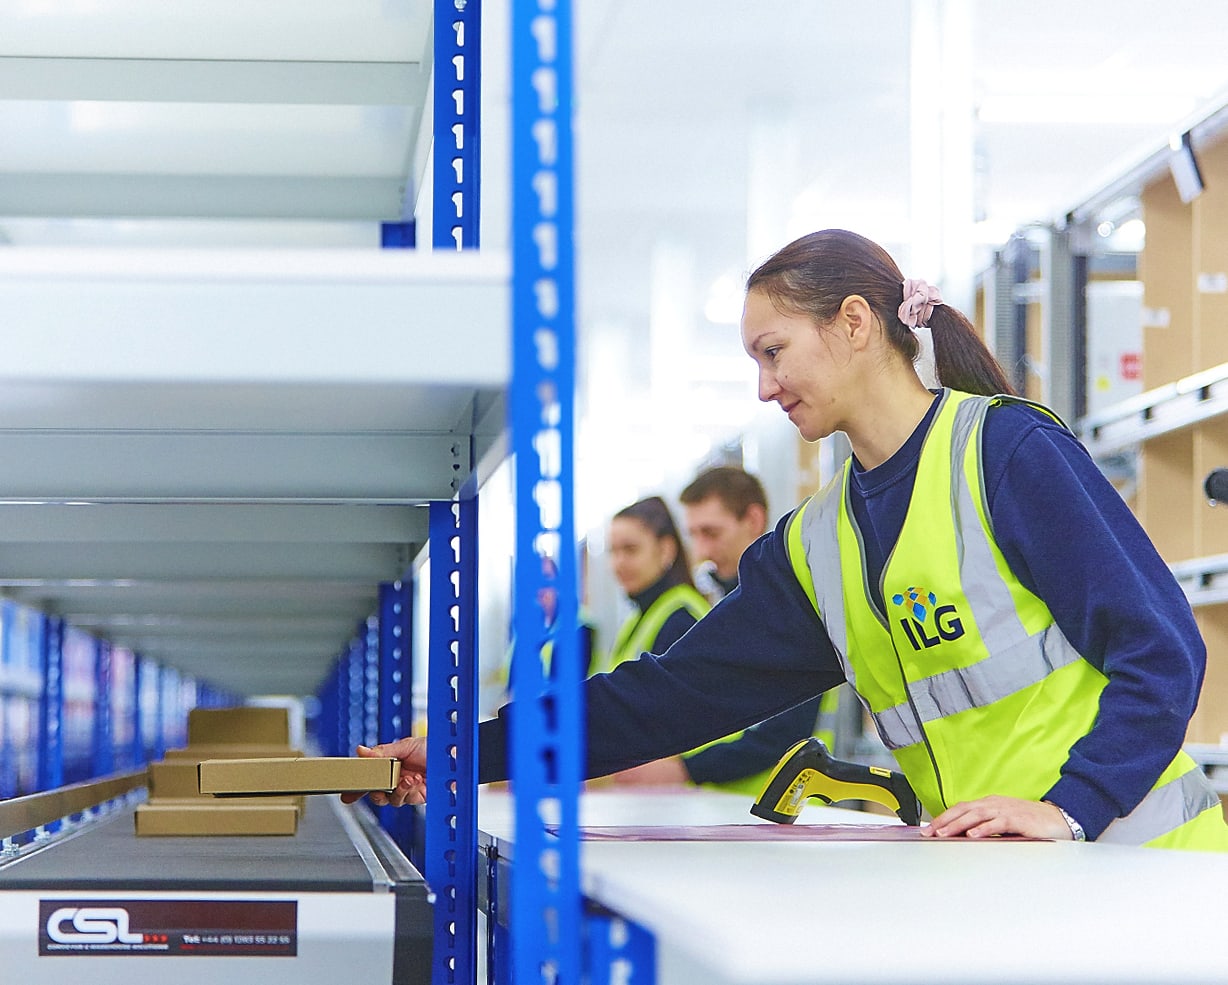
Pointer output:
655, 515
813, 275
736, 488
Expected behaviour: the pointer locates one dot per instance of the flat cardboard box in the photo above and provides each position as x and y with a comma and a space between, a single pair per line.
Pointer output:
320, 774
178, 781
249, 725
198, 753
215, 819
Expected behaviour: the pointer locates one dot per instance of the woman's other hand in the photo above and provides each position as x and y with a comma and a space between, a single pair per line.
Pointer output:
997, 815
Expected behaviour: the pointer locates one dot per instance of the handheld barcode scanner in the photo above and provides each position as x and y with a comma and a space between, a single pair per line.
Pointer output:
808, 770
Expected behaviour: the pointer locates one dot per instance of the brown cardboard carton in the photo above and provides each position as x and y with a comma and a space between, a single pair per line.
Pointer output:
173, 779
249, 725
321, 774
216, 819
178, 781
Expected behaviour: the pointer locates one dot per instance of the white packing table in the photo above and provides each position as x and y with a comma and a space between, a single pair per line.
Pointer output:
896, 913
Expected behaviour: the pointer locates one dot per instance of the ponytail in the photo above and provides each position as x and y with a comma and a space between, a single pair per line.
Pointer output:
961, 358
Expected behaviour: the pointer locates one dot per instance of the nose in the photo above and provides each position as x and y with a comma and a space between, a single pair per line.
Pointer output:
768, 387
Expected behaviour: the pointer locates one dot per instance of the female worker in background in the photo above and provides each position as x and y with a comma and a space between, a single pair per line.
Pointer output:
1017, 640
650, 564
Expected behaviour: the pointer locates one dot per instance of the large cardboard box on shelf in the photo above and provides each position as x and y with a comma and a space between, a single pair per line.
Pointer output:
320, 774
213, 819
250, 725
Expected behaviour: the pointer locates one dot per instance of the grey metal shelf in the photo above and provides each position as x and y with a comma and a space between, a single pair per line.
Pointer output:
214, 457
1184, 403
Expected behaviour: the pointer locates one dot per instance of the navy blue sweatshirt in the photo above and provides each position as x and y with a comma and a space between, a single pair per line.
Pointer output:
1066, 534
755, 750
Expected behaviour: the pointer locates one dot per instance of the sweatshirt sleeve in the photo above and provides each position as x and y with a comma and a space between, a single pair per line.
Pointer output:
761, 651
1069, 537
757, 749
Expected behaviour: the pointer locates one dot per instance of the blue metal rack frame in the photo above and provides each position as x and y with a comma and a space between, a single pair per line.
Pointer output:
457, 106
396, 693
546, 754
451, 815
104, 740
51, 705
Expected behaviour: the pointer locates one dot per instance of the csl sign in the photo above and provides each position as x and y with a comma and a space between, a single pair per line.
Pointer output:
180, 927
91, 925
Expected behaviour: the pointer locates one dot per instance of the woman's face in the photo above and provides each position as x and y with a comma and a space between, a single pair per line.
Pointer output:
638, 556
802, 366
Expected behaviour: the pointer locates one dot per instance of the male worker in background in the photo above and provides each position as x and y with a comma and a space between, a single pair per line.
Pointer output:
726, 511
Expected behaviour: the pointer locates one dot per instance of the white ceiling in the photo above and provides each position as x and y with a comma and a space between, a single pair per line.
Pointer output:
705, 130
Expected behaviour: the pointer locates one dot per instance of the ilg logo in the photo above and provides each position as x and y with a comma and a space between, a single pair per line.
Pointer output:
921, 605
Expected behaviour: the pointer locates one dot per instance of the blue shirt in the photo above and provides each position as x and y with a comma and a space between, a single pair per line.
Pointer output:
1066, 534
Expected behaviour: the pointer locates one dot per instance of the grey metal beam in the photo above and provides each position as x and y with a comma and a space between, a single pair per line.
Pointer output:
233, 597
255, 677
156, 466
167, 80
1171, 407
1064, 369
278, 196
370, 562
1205, 129
226, 523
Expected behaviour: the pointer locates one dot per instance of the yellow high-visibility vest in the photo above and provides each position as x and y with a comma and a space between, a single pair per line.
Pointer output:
967, 677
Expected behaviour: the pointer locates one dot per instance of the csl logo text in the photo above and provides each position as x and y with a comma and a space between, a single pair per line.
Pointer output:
91, 925
921, 605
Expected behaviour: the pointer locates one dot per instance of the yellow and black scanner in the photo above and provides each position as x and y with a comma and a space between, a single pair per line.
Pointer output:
808, 770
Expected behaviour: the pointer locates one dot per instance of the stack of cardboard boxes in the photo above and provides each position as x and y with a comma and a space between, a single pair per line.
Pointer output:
177, 807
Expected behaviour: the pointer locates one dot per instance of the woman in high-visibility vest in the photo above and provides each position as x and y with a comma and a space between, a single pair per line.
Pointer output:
1009, 627
650, 564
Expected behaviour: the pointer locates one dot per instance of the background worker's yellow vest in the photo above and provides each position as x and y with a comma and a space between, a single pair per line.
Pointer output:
969, 681
638, 633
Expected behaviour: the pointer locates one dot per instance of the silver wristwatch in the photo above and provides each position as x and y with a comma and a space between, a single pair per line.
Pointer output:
1076, 829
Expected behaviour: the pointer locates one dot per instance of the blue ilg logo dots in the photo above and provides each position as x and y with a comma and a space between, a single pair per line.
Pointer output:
913, 599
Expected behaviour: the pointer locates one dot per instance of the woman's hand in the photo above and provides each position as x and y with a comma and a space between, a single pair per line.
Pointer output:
411, 788
996, 815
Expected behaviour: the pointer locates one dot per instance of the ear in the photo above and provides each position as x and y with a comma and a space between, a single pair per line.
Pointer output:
757, 515
857, 319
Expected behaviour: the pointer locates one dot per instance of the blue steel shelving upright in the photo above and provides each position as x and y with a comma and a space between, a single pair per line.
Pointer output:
546, 755
451, 813
546, 746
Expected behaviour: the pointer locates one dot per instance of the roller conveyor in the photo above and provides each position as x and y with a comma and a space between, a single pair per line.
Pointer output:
99, 904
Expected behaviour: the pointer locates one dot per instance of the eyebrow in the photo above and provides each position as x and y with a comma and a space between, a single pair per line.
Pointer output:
756, 342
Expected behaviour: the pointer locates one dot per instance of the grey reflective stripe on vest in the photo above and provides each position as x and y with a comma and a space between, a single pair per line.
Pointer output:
1182, 799
1015, 660
998, 676
819, 524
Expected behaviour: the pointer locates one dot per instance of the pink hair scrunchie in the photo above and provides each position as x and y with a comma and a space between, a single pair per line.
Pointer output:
920, 300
